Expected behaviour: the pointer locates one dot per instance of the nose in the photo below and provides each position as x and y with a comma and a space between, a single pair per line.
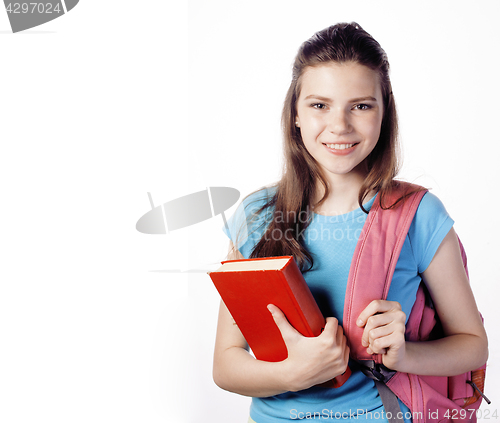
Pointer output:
338, 122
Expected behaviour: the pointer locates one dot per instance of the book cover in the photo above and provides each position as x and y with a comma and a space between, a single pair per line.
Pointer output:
247, 286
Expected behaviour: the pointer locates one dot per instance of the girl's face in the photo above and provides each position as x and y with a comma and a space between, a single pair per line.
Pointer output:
339, 113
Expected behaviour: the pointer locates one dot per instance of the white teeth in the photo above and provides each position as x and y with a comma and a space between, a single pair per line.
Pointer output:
339, 146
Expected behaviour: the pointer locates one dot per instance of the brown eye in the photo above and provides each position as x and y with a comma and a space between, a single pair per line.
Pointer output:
320, 106
362, 106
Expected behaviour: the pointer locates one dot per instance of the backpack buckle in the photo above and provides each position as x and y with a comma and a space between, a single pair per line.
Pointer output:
376, 371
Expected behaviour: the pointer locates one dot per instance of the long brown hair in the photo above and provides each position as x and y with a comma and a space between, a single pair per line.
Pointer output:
344, 42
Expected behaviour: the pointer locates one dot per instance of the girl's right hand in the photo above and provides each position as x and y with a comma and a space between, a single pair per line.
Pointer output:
312, 360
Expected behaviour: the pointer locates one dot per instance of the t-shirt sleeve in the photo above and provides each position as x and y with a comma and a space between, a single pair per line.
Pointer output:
246, 226
428, 229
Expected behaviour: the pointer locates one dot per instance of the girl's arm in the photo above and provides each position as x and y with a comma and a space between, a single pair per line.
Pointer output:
310, 361
236, 370
465, 345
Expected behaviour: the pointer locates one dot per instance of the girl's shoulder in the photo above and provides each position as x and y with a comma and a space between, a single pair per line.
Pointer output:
249, 221
257, 199
430, 207
429, 227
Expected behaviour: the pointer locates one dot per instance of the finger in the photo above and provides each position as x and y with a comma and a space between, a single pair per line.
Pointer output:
384, 337
345, 351
376, 306
286, 329
372, 323
394, 326
379, 340
375, 351
331, 327
340, 337
382, 344
391, 320
346, 354
384, 319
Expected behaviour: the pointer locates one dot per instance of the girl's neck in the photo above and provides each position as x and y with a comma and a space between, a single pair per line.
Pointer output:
343, 192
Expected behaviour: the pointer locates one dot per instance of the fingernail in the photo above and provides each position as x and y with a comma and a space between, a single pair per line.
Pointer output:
359, 322
364, 343
270, 309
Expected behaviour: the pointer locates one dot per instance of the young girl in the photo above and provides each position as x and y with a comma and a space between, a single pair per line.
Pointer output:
340, 133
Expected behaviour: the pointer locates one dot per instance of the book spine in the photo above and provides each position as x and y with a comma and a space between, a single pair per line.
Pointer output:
313, 321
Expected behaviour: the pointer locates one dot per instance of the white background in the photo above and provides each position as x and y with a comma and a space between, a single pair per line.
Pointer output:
119, 98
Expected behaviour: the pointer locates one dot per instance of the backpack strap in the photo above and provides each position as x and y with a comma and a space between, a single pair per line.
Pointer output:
390, 402
370, 276
375, 258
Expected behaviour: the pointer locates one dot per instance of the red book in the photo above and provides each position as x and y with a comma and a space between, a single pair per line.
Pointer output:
247, 286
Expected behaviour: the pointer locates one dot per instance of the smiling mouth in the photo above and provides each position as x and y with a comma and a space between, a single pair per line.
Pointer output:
340, 146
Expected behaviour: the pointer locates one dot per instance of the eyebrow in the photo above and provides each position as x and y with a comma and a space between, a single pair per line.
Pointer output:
354, 100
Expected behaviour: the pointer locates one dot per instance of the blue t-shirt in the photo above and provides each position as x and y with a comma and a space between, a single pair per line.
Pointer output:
332, 240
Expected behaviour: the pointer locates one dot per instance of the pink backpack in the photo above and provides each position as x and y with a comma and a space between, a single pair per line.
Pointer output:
430, 398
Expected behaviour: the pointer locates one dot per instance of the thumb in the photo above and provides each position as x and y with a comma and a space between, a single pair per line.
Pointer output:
286, 329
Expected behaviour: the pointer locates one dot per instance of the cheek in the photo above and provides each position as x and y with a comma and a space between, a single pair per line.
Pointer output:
308, 142
372, 128
309, 139
311, 127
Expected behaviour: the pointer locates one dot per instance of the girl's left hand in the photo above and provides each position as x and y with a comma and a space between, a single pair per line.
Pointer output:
384, 333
